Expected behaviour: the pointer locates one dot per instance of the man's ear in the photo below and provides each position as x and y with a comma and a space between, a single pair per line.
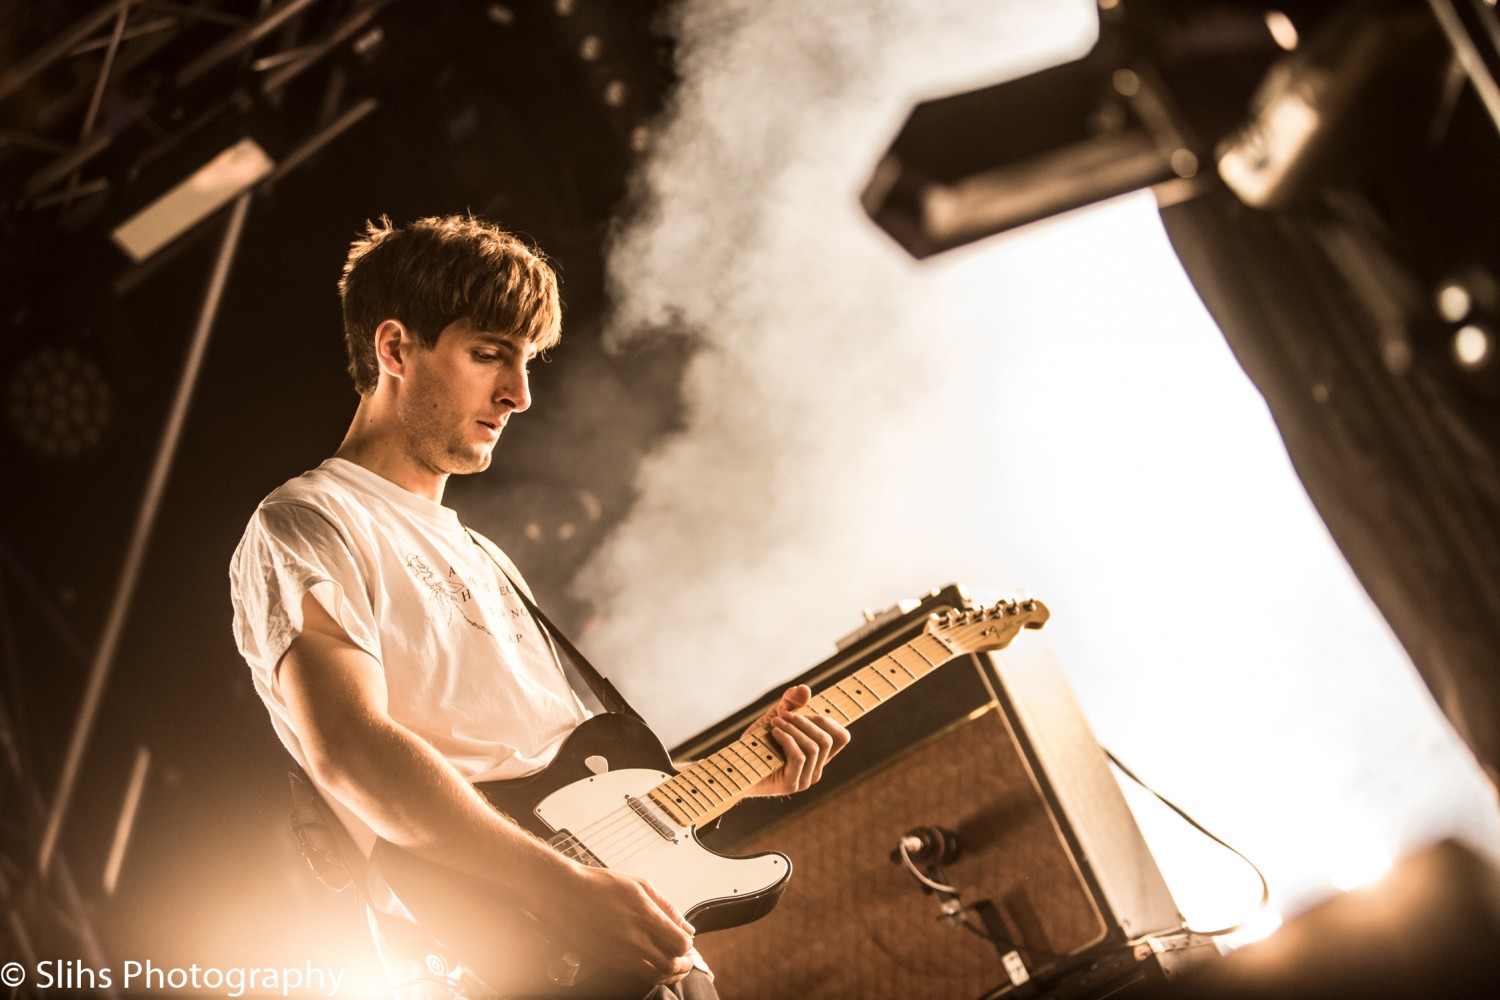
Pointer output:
392, 341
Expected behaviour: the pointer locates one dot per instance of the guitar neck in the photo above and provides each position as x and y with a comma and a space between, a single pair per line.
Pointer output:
714, 784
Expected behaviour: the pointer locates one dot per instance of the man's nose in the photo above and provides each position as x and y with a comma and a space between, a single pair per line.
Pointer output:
515, 388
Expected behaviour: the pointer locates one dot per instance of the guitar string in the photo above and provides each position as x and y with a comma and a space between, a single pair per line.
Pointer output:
591, 836
591, 839
629, 833
628, 838
622, 833
690, 801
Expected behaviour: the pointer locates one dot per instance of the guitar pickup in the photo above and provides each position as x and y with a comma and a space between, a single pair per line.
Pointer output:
643, 809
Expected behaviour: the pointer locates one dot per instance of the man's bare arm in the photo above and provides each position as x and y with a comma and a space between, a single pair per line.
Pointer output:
411, 796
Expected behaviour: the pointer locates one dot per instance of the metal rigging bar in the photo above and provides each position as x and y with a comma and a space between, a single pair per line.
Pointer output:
1473, 29
104, 656
240, 40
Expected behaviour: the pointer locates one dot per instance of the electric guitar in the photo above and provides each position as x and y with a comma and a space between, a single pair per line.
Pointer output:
612, 798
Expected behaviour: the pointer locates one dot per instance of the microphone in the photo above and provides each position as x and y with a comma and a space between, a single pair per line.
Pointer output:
928, 845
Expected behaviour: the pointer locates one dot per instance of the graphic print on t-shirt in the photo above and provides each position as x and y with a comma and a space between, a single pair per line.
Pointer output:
454, 594
451, 594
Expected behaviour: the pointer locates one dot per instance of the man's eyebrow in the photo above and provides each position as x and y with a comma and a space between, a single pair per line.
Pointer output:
509, 340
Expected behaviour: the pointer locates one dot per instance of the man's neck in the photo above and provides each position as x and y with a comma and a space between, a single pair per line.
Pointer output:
378, 445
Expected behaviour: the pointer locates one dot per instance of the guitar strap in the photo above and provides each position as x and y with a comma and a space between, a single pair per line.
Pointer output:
606, 692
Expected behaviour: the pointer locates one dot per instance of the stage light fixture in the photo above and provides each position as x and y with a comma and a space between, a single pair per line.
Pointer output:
58, 402
208, 189
1056, 140
1311, 119
1261, 163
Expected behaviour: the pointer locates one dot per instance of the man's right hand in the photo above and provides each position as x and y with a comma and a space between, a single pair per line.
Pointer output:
622, 923
409, 795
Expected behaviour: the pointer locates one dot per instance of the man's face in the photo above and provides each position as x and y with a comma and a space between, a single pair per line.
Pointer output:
458, 395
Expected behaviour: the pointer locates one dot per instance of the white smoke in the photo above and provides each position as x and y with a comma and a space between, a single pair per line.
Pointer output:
797, 494
1051, 410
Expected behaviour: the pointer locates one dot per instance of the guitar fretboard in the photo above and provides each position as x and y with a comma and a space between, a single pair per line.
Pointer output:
714, 784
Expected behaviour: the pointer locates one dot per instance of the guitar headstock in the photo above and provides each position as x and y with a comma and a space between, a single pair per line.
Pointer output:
985, 629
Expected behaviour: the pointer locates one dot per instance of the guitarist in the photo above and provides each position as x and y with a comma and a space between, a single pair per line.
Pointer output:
397, 662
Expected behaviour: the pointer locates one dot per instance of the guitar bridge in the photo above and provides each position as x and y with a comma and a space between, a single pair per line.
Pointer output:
643, 809
570, 846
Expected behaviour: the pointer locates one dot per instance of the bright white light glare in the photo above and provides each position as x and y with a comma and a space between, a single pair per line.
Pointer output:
1471, 347
1283, 31
1358, 864
1257, 928
366, 979
1453, 301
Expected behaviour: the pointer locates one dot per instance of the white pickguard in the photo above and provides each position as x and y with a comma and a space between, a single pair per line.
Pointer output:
594, 810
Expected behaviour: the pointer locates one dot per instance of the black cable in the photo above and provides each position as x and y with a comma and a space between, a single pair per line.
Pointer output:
1265, 888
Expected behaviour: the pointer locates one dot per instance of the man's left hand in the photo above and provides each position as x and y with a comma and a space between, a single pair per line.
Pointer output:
808, 742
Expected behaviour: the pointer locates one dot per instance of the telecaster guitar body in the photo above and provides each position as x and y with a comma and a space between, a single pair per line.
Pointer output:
591, 803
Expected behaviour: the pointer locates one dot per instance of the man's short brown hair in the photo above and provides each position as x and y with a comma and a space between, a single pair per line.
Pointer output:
437, 271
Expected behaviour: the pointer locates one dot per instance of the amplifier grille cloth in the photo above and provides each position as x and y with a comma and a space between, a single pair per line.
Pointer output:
852, 923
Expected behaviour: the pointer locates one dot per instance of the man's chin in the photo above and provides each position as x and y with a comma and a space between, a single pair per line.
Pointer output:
467, 463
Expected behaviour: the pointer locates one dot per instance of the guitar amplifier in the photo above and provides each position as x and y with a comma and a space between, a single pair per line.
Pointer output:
1050, 873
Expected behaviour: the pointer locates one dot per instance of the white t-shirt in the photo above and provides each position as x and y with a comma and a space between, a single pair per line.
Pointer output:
466, 666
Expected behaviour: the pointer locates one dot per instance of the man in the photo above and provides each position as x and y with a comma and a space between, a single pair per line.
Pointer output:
398, 663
